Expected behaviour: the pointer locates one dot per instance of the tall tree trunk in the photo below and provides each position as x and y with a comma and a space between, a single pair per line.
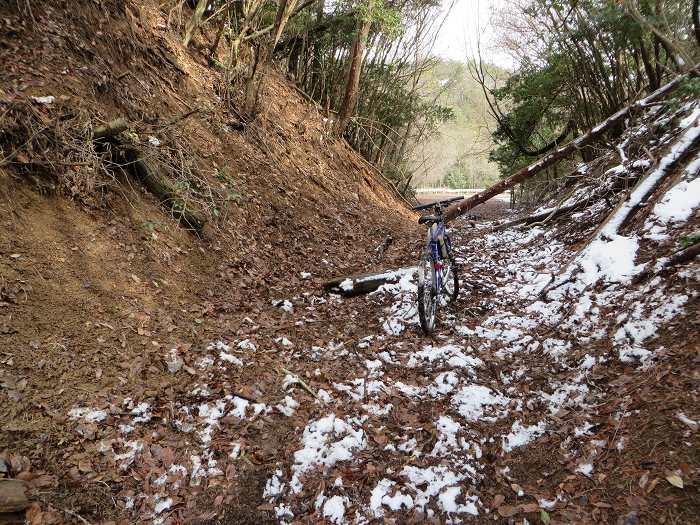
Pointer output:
352, 84
696, 20
651, 74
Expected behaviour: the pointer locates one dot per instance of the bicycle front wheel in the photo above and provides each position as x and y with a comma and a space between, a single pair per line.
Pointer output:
427, 292
450, 281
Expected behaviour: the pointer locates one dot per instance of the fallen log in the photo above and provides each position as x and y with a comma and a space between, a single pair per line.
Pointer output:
538, 217
351, 286
461, 207
682, 256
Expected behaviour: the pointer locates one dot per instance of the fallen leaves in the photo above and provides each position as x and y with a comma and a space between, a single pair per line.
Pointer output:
507, 511
674, 479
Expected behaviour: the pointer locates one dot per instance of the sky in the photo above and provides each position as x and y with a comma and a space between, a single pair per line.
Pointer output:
459, 35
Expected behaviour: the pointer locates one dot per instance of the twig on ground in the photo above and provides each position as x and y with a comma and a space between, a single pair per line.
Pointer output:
76, 515
301, 383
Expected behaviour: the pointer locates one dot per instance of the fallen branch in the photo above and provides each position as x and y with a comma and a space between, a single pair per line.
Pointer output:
111, 129
684, 256
132, 159
161, 188
680, 257
545, 215
365, 283
641, 193
299, 381
461, 207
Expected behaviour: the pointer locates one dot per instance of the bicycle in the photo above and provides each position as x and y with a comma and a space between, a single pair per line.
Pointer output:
437, 269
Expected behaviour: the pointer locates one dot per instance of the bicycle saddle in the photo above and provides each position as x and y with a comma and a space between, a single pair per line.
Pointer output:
427, 218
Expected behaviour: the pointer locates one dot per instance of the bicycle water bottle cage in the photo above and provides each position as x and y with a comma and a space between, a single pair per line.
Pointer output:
428, 218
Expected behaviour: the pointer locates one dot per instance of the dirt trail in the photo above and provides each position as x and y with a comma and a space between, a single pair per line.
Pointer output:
328, 410
150, 376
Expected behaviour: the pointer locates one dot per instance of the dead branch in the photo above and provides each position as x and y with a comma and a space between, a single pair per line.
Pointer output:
159, 186
360, 284
111, 129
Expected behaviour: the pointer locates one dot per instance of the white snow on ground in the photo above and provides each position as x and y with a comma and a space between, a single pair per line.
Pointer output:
451, 355
88, 414
403, 311
422, 422
521, 435
595, 302
610, 260
200, 419
677, 205
437, 480
476, 403
326, 441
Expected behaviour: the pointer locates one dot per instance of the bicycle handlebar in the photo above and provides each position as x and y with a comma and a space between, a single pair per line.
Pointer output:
437, 203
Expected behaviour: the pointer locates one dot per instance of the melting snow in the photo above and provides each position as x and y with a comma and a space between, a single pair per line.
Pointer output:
325, 442
90, 415
521, 435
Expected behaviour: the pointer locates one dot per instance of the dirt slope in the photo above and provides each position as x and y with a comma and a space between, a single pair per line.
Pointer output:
151, 376
97, 281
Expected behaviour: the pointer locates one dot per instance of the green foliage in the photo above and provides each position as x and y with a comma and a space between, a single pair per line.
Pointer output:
690, 240
580, 61
457, 152
466, 173
385, 19
688, 88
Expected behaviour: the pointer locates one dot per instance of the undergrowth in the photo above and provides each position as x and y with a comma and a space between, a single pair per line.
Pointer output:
51, 148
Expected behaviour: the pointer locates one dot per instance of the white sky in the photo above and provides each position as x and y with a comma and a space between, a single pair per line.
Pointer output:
459, 35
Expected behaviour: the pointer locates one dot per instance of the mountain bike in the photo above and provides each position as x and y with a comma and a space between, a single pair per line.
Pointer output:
438, 283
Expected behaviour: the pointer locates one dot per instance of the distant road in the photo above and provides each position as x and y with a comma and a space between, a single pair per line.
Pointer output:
433, 194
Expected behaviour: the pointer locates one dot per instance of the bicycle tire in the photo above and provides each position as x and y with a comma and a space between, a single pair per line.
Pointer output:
427, 310
451, 297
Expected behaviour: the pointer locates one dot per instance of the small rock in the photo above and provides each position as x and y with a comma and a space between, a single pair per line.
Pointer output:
630, 519
174, 361
12, 496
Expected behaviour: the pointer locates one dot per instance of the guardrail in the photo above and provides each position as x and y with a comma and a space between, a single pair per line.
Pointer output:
458, 191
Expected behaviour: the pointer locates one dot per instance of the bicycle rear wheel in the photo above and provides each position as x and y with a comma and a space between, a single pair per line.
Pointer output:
427, 292
450, 281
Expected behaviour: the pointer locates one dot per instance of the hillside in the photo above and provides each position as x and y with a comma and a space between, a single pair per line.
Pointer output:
98, 283
168, 353
458, 153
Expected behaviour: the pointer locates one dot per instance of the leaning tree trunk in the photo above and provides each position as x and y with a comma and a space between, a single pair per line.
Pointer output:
353, 79
696, 20
463, 206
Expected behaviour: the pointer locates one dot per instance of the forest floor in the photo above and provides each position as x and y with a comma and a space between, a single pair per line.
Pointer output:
324, 410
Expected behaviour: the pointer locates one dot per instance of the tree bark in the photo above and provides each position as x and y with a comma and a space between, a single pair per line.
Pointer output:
461, 207
352, 84
696, 20
158, 186
131, 159
110, 129
194, 22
